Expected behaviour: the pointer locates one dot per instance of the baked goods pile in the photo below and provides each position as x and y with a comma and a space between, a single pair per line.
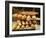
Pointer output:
24, 21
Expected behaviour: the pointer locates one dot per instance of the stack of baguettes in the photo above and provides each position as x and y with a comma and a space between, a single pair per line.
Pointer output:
25, 20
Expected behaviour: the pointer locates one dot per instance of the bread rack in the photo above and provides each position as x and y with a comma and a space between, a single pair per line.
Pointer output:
31, 13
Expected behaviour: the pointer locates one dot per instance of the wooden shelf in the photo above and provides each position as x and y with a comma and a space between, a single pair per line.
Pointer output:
25, 19
27, 13
22, 29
